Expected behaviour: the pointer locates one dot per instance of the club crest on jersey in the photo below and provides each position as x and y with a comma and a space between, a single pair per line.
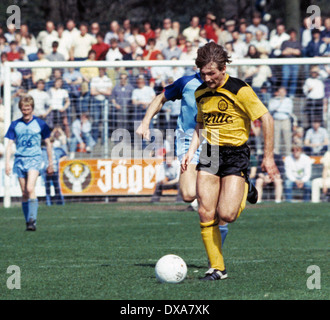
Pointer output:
223, 105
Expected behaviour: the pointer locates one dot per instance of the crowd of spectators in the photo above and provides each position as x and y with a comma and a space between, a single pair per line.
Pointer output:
72, 100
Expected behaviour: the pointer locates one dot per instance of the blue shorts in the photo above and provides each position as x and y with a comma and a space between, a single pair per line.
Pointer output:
22, 165
183, 141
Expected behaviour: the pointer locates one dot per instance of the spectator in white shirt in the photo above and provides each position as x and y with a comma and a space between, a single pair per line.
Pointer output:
298, 169
81, 44
277, 40
192, 32
281, 108
47, 37
114, 52
101, 88
41, 101
59, 103
313, 89
316, 139
141, 98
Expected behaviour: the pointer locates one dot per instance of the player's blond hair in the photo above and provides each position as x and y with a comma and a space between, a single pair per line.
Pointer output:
26, 100
212, 52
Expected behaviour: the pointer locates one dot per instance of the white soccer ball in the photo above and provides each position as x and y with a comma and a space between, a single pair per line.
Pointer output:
171, 269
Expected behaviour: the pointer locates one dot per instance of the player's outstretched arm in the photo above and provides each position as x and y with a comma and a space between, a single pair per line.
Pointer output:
268, 162
154, 107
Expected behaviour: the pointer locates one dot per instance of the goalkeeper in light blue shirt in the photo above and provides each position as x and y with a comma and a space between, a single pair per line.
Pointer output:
27, 132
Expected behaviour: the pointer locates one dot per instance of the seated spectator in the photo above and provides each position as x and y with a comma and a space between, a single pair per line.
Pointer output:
281, 108
100, 47
316, 47
58, 154
137, 37
316, 139
261, 43
239, 46
150, 52
114, 53
263, 179
101, 88
257, 25
298, 169
322, 183
210, 27
133, 52
190, 53
54, 55
224, 33
60, 139
258, 75
171, 50
3, 44
81, 135
168, 177
232, 71
113, 32
148, 33
298, 136
57, 74
123, 44
13, 53
59, 103
30, 48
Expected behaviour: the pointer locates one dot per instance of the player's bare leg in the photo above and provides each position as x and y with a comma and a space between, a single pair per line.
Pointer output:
232, 198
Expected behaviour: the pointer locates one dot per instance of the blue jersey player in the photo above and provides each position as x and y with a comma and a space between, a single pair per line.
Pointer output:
27, 132
182, 89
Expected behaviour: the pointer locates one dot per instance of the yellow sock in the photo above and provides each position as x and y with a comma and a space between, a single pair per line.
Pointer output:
212, 241
243, 203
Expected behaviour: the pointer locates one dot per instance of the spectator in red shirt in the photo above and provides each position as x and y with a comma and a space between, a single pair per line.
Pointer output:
210, 27
150, 53
13, 54
100, 47
148, 32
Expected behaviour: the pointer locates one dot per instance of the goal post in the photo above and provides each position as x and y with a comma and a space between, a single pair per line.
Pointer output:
238, 67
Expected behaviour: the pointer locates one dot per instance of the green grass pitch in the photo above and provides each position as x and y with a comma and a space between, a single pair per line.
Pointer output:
108, 252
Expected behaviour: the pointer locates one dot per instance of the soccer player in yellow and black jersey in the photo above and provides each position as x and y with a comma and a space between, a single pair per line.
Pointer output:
226, 107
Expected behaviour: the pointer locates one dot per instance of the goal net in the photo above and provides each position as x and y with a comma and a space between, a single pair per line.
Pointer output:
94, 108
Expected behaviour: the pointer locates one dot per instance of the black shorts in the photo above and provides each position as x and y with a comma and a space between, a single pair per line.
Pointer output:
225, 161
